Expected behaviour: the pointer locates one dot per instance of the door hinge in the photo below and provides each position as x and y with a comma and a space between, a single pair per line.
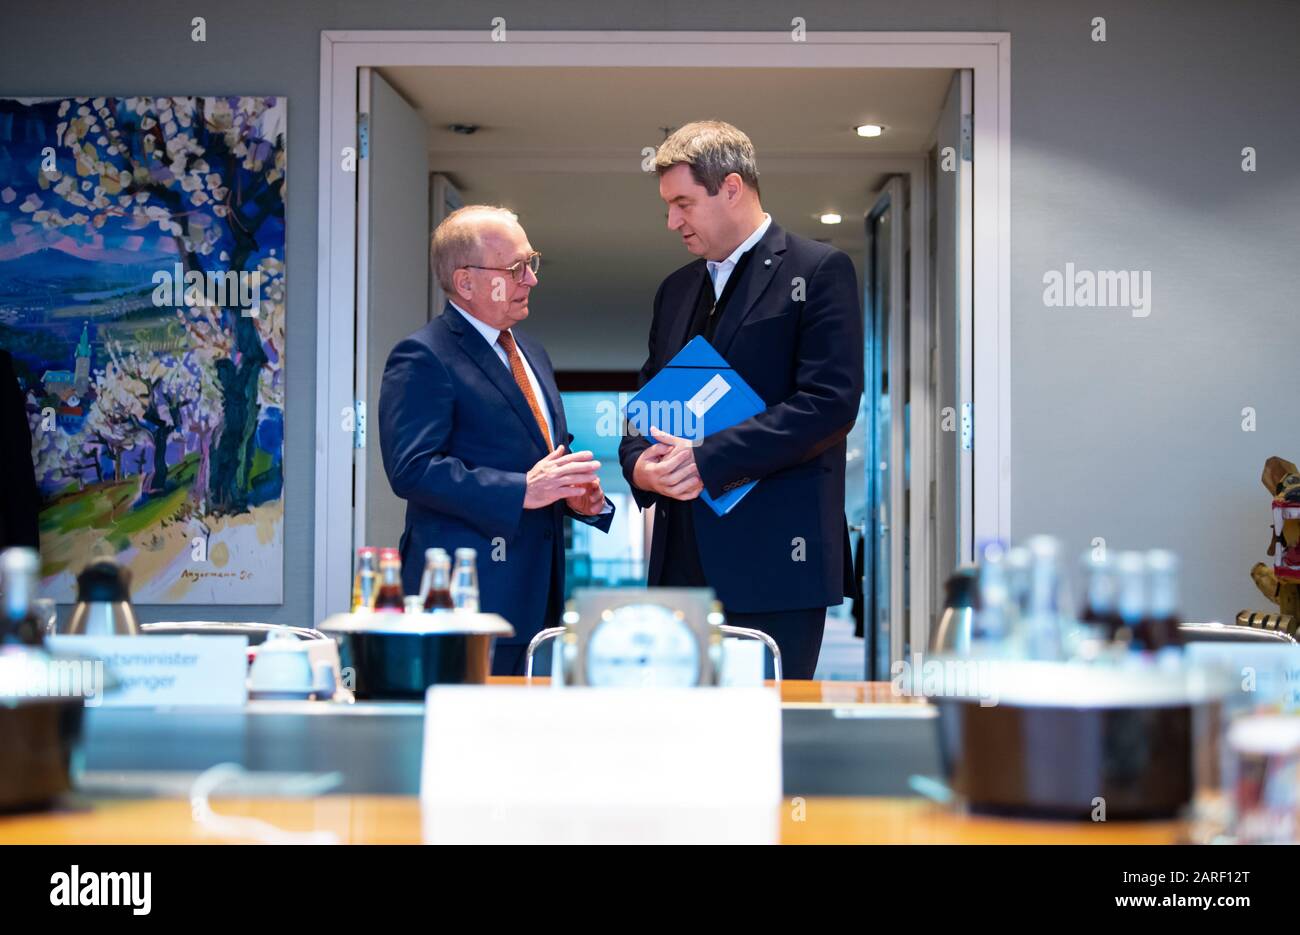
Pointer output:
967, 135
363, 135
359, 425
967, 427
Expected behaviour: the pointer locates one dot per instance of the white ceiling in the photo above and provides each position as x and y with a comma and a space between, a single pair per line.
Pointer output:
562, 147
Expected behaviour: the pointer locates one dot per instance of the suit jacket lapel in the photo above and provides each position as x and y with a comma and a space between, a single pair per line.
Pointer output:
478, 351
685, 312
763, 265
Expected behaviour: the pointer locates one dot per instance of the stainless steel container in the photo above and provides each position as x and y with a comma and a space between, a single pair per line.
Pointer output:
1073, 741
103, 602
953, 632
398, 656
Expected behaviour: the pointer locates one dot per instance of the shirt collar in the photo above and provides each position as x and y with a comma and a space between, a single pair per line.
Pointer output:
490, 334
747, 245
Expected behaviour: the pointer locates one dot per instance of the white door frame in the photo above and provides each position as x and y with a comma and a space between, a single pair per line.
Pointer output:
344, 53
903, 220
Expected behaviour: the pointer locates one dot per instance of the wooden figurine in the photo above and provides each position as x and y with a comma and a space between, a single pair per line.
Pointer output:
1281, 583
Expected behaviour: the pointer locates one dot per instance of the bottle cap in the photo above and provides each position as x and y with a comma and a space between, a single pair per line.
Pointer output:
20, 560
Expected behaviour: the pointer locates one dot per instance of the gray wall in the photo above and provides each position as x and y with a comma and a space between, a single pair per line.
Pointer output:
1124, 156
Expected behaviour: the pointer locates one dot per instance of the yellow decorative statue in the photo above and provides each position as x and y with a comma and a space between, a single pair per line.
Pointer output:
1281, 583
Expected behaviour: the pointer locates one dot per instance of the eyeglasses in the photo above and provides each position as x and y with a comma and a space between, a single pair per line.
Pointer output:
516, 270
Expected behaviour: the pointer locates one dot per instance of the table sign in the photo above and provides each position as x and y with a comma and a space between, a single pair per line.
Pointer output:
167, 670
601, 765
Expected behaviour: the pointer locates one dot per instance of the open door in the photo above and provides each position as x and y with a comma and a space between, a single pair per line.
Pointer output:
951, 162
887, 382
392, 282
444, 198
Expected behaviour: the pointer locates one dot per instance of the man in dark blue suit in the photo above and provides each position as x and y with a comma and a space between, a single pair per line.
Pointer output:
785, 312
474, 437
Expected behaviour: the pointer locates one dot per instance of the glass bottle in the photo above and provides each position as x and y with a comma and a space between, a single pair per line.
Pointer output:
464, 581
1017, 562
389, 598
1042, 626
436, 586
1131, 600
1101, 595
995, 616
19, 623
1159, 626
366, 582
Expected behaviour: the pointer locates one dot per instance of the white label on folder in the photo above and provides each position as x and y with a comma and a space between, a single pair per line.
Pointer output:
708, 396
167, 670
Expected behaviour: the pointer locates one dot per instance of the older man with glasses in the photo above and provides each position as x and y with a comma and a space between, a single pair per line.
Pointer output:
474, 437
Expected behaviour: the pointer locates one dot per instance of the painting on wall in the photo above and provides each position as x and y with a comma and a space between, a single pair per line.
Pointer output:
142, 298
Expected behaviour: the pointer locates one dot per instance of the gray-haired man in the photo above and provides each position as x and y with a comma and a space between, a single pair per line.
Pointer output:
474, 436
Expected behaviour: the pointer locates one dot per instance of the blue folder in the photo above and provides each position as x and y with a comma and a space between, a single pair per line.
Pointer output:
695, 395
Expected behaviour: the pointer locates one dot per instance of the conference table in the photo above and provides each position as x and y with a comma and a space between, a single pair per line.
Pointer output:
856, 765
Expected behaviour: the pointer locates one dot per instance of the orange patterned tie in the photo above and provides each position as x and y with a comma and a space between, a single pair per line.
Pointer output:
507, 341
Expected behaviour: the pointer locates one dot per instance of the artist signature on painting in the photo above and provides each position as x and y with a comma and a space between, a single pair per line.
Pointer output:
242, 575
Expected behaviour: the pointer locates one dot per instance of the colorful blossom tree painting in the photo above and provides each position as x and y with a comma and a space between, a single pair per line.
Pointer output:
142, 297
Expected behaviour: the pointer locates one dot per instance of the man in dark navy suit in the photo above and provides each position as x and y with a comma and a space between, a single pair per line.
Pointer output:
786, 314
474, 437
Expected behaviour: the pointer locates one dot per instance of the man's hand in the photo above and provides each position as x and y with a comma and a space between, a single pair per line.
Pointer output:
590, 502
668, 468
558, 477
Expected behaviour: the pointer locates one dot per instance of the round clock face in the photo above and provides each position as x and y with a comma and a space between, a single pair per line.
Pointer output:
642, 645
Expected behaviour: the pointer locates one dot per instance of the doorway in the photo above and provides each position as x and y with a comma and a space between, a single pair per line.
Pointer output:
356, 55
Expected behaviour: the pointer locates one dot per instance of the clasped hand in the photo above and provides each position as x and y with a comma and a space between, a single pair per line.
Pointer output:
568, 477
668, 468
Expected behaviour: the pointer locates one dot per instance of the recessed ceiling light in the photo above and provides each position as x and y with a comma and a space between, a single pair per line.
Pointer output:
870, 129
831, 218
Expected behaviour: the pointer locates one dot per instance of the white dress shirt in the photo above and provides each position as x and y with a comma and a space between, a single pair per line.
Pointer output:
720, 270
491, 335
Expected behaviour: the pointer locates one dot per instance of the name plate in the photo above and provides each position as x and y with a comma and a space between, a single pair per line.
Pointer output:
166, 670
1258, 676
601, 765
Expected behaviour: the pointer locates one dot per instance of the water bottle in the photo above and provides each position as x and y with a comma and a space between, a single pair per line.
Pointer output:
1043, 626
464, 582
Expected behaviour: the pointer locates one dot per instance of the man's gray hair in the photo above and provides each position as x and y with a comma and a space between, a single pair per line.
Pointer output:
713, 149
457, 241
